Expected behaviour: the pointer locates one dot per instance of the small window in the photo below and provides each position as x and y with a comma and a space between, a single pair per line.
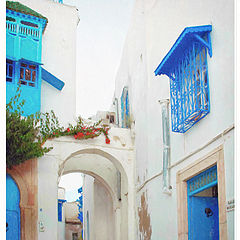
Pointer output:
11, 19
29, 24
9, 71
112, 119
28, 74
74, 236
125, 108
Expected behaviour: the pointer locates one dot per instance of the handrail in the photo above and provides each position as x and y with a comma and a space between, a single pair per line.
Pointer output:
23, 30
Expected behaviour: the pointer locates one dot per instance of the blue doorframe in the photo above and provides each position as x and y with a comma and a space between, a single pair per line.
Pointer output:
12, 209
203, 220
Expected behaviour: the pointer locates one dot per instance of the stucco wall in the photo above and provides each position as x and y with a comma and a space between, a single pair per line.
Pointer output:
154, 27
103, 213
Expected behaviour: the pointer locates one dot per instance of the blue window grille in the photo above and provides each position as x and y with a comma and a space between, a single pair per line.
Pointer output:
202, 181
10, 71
125, 108
186, 66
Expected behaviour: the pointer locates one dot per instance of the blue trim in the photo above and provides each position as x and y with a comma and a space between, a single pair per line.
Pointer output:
197, 184
52, 80
13, 213
60, 203
186, 39
30, 62
31, 18
125, 108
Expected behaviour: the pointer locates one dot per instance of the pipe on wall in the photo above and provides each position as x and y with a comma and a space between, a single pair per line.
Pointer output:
166, 143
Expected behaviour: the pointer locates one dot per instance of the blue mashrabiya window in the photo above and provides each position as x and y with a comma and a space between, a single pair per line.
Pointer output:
125, 108
186, 66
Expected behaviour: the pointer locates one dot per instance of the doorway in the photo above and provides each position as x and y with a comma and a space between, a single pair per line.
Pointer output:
13, 209
203, 217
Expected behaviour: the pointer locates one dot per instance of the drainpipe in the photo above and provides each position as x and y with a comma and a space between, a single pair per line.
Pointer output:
166, 144
116, 110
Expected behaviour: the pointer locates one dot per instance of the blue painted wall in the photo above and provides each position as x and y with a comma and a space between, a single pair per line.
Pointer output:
24, 44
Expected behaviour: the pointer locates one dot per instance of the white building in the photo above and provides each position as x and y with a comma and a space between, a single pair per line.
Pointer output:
166, 160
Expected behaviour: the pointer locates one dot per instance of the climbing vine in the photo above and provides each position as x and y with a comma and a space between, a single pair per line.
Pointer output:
25, 136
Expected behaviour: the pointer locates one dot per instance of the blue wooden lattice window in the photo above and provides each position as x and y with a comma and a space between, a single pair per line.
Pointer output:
186, 66
125, 108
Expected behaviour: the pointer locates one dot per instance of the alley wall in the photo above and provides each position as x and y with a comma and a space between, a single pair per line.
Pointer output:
154, 28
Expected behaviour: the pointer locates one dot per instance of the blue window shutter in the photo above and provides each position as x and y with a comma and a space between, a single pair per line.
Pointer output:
52, 80
186, 66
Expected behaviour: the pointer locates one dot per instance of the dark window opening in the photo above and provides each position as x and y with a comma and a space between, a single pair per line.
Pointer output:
29, 24
74, 236
112, 119
10, 19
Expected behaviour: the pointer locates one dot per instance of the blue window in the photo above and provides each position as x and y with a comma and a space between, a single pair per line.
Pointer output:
10, 70
28, 74
186, 66
60, 206
125, 108
24, 29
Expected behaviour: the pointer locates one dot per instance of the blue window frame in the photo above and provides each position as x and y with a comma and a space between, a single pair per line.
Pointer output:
125, 108
203, 220
10, 70
186, 66
28, 74
60, 206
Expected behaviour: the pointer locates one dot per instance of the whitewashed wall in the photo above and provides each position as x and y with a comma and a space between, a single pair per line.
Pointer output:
154, 27
98, 159
88, 206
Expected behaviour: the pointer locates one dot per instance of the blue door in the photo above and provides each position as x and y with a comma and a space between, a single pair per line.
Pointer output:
12, 209
203, 218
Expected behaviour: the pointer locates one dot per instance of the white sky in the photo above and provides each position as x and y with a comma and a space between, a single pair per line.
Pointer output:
71, 182
101, 34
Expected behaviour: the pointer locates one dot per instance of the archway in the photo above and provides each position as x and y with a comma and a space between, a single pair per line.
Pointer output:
104, 168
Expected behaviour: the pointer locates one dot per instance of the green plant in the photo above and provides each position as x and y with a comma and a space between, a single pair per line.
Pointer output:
22, 139
26, 135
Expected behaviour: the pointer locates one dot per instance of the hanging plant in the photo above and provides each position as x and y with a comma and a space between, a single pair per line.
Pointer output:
50, 128
25, 136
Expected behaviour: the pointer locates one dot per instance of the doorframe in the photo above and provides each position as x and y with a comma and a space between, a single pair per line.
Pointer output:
216, 157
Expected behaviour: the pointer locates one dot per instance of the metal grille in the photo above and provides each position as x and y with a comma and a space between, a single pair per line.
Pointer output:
189, 89
202, 181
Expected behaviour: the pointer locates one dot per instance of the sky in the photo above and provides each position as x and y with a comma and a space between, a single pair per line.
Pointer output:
101, 34
71, 182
